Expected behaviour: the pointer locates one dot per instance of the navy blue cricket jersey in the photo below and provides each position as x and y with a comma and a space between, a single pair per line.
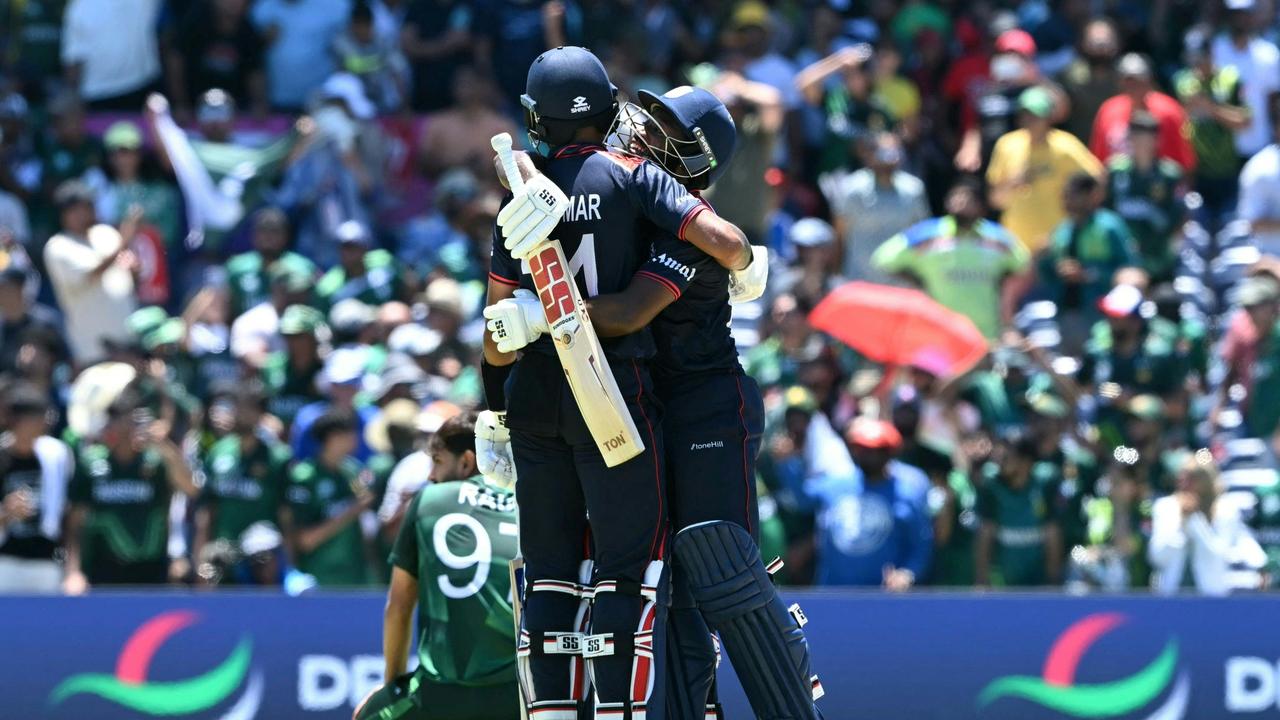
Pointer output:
692, 334
618, 205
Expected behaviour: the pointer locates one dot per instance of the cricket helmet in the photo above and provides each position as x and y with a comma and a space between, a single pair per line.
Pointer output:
567, 89
688, 131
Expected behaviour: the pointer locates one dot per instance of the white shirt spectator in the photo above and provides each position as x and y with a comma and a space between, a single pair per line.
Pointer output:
407, 478
1259, 66
115, 40
95, 307
871, 214
1260, 197
257, 332
1209, 548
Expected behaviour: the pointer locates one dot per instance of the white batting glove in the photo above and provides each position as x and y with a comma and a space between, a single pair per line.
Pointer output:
493, 449
515, 322
527, 221
748, 283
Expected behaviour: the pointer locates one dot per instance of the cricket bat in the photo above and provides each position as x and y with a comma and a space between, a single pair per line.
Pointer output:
590, 379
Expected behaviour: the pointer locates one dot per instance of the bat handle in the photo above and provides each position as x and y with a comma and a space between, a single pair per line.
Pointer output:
502, 145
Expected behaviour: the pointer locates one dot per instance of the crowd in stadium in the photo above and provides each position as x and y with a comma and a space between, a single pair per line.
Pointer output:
244, 250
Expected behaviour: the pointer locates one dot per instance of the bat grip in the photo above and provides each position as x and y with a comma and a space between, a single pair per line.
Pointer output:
502, 144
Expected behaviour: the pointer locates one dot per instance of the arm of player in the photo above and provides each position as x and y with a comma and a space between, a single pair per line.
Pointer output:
631, 310
397, 623
74, 582
720, 239
499, 290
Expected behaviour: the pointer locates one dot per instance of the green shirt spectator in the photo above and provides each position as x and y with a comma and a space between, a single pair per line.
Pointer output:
960, 263
1076, 269
1265, 523
245, 479
955, 521
1019, 543
370, 276
130, 186
290, 376
1149, 198
1207, 92
1263, 414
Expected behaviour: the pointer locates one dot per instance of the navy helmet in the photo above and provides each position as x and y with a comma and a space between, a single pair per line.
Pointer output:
567, 89
688, 130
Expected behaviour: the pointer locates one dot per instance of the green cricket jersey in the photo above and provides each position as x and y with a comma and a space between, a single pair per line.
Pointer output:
128, 502
953, 561
253, 169
315, 494
378, 285
1262, 417
457, 539
288, 390
1101, 244
244, 488
1020, 517
1150, 201
247, 277
1214, 143
961, 270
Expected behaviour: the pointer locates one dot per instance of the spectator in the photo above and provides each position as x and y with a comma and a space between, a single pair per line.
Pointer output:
340, 382
31, 46
427, 241
1257, 60
290, 374
1029, 171
1084, 251
296, 32
326, 496
245, 476
1114, 557
1260, 188
854, 115
217, 47
411, 473
1125, 357
67, 151
256, 333
1146, 190
459, 136
873, 528
436, 39
752, 33
1199, 530
373, 58
872, 205
92, 271
133, 181
1091, 77
18, 314
1019, 543
15, 227
247, 272
1248, 335
741, 194
1214, 101
113, 70
371, 276
118, 529
34, 471
509, 35
814, 272
962, 260
1111, 126
997, 105
897, 94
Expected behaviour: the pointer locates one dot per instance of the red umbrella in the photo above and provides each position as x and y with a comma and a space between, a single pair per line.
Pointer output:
900, 326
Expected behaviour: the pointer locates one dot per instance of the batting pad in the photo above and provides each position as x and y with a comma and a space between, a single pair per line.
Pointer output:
722, 566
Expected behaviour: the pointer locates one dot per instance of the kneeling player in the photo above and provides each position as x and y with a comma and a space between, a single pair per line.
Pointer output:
450, 560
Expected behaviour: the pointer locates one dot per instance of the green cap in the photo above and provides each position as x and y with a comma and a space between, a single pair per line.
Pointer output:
141, 322
300, 320
1146, 407
294, 274
1037, 101
170, 331
799, 397
122, 135
1047, 404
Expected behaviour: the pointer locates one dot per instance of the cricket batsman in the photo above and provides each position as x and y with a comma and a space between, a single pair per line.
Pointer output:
607, 210
450, 561
712, 429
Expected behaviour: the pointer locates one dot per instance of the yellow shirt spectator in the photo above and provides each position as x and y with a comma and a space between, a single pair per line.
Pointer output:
1030, 177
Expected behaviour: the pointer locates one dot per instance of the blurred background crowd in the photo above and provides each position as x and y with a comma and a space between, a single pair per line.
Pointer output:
244, 246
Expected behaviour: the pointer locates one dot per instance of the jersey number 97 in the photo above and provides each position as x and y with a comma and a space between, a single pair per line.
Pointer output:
480, 557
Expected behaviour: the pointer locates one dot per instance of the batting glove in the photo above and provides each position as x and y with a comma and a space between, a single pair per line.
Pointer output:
516, 321
527, 221
748, 283
493, 449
